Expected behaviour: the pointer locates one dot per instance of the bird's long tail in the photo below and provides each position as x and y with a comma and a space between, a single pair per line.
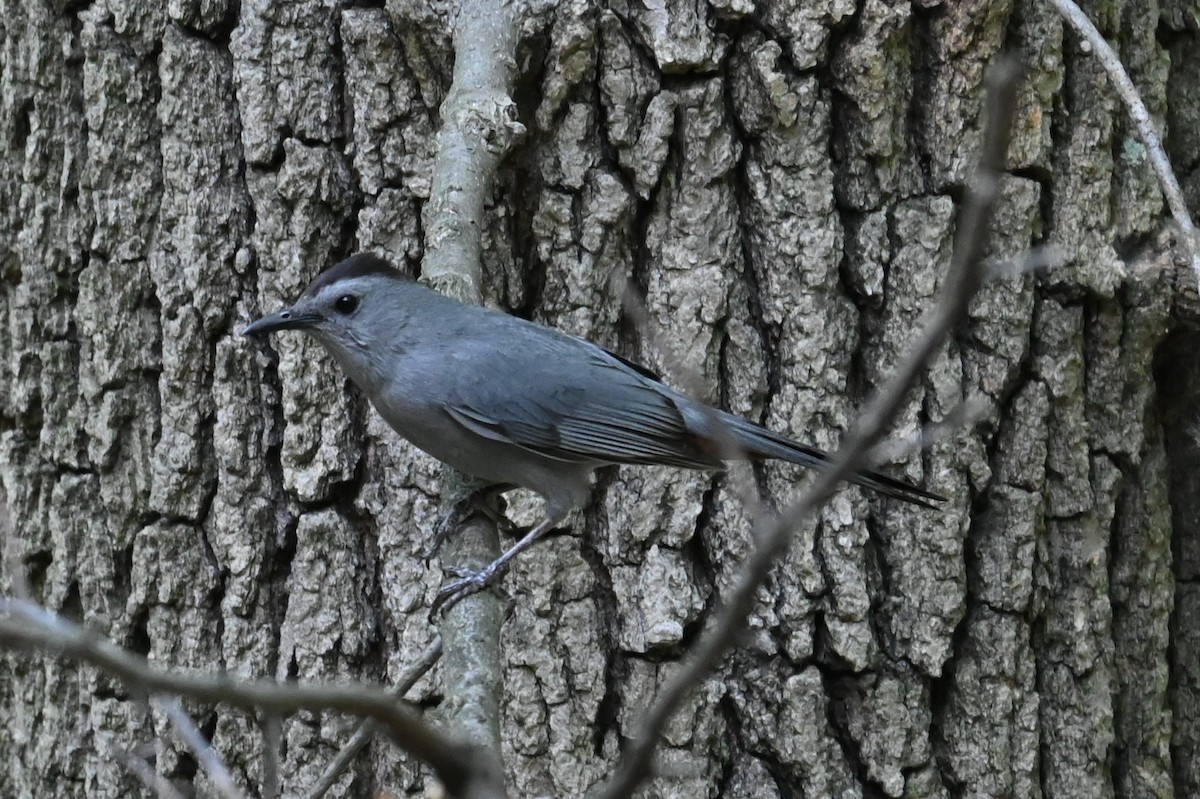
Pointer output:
759, 442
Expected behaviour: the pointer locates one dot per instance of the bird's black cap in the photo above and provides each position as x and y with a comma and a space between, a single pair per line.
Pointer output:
360, 265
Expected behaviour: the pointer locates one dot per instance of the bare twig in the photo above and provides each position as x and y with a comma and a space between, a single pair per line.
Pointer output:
154, 781
1140, 115
466, 769
367, 728
964, 279
1032, 260
206, 756
962, 415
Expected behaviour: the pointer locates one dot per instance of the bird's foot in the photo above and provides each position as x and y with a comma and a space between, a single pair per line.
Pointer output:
472, 582
478, 501
469, 582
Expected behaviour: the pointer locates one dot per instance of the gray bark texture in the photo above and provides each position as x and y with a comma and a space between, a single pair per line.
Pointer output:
779, 179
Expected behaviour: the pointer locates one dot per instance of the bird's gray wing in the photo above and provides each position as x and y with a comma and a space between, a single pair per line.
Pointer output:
578, 403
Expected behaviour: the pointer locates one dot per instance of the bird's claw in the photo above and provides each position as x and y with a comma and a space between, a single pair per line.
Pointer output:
474, 502
450, 521
469, 582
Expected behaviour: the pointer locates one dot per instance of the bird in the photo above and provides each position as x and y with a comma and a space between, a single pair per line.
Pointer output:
514, 403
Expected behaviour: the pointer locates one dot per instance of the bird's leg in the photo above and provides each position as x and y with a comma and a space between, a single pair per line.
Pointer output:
478, 500
472, 582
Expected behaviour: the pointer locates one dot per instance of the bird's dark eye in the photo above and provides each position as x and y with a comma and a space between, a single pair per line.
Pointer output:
346, 303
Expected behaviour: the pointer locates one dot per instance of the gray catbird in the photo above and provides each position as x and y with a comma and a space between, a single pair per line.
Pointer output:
515, 403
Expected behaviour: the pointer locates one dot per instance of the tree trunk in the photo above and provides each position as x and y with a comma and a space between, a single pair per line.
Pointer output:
779, 181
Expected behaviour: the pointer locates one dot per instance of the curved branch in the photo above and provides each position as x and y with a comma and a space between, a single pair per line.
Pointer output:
966, 276
465, 769
1140, 115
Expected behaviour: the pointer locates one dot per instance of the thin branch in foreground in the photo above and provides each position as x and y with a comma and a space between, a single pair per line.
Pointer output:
160, 785
1034, 259
966, 276
205, 755
1140, 115
962, 415
467, 770
367, 728
272, 729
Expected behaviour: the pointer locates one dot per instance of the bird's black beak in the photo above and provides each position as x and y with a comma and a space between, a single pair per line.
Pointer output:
287, 319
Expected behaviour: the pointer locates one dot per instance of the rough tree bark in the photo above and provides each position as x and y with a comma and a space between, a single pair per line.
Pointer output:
779, 180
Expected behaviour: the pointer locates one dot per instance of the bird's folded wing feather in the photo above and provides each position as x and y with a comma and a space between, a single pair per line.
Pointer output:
608, 413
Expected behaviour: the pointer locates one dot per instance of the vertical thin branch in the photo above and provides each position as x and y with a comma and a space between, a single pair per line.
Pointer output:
966, 276
1140, 115
478, 129
272, 729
